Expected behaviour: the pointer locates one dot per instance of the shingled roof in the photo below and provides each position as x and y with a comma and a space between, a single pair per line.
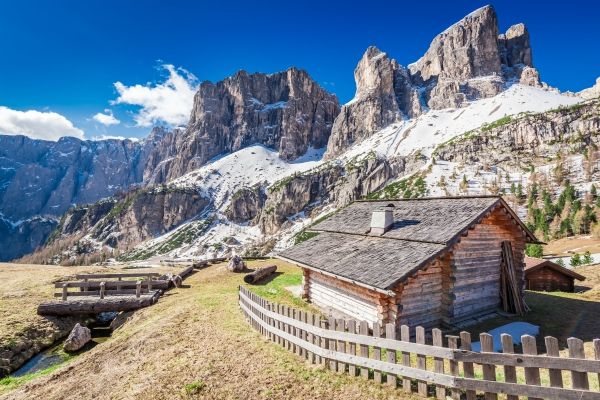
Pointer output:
422, 230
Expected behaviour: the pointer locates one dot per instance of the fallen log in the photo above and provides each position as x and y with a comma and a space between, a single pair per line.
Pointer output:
95, 306
259, 274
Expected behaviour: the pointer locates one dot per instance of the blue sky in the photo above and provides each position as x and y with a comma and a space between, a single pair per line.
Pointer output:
61, 59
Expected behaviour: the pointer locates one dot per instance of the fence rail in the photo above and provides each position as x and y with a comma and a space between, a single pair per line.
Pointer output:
347, 346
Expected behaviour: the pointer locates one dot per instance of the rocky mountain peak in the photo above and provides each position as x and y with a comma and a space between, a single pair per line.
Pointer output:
286, 111
470, 60
465, 50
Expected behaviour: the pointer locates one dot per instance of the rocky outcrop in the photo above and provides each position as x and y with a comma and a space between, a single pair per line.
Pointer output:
523, 140
383, 95
467, 49
330, 184
286, 111
467, 61
79, 337
592, 92
245, 204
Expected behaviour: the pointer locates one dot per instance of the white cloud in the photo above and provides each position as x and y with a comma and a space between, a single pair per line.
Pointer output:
112, 137
36, 124
170, 101
107, 119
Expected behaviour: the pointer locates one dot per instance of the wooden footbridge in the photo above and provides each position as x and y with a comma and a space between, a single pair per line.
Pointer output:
95, 293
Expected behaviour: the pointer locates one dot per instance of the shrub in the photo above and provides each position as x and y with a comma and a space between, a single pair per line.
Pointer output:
534, 250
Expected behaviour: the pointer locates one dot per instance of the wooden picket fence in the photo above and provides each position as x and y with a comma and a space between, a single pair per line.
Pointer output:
426, 365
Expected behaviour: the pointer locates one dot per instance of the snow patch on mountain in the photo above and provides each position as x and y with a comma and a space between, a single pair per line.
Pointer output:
437, 126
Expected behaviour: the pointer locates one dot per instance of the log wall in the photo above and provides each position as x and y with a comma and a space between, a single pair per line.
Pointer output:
350, 299
476, 264
549, 280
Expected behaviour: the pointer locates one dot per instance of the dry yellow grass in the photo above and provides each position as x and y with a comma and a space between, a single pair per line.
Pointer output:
195, 343
573, 244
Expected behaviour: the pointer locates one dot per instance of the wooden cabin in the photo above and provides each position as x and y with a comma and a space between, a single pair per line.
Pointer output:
548, 276
429, 262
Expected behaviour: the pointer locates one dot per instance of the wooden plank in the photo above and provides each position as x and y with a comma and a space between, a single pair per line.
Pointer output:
364, 349
440, 391
405, 337
64, 293
453, 344
295, 331
138, 288
469, 371
332, 345
340, 325
314, 339
524, 360
352, 347
421, 361
117, 275
390, 333
377, 352
532, 375
489, 370
305, 318
518, 389
102, 289
580, 379
552, 350
597, 354
324, 340
510, 372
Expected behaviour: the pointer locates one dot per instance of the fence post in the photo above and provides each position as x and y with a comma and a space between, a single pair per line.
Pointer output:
532, 375
436, 335
325, 342
376, 351
352, 350
421, 361
580, 379
65, 289
489, 370
364, 349
453, 344
332, 344
340, 326
597, 354
510, 372
102, 289
138, 288
552, 350
306, 319
390, 333
465, 344
405, 337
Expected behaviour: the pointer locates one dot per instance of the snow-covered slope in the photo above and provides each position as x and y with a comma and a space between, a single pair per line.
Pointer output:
224, 175
437, 126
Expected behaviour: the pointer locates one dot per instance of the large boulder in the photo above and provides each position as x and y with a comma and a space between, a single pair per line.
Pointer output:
236, 264
79, 337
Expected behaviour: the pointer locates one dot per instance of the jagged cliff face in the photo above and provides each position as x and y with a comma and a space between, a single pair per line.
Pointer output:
286, 111
467, 61
529, 139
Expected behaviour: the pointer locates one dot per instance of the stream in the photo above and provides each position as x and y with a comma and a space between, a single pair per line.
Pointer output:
101, 331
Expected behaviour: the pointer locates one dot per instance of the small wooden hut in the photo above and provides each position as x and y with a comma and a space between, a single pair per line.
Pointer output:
430, 261
548, 276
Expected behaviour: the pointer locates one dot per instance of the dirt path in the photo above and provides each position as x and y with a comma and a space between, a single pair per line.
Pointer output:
195, 344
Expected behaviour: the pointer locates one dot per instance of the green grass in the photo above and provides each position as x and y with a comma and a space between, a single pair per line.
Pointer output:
194, 387
303, 236
274, 289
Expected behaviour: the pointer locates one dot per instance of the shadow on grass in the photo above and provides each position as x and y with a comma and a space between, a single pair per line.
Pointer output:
557, 314
268, 279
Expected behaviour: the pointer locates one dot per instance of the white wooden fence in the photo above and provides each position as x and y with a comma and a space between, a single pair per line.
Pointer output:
426, 365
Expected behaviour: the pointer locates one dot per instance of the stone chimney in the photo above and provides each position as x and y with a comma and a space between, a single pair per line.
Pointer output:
382, 220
